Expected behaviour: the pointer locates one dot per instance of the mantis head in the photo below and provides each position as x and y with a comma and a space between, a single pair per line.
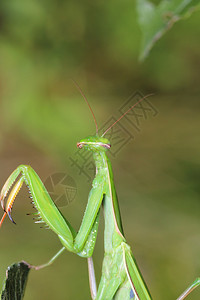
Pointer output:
94, 143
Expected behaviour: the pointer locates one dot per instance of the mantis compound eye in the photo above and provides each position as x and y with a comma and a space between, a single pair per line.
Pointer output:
79, 145
107, 146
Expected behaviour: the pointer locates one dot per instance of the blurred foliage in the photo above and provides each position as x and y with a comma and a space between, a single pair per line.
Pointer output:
156, 20
43, 44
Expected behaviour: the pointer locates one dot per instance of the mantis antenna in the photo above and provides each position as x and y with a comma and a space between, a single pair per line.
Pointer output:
126, 113
81, 92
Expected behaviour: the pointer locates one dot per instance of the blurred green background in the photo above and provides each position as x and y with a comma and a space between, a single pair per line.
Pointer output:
43, 45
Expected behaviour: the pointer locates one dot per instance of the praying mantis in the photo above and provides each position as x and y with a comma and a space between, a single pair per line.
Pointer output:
121, 278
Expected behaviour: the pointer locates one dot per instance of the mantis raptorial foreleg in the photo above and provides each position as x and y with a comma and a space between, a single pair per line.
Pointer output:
81, 243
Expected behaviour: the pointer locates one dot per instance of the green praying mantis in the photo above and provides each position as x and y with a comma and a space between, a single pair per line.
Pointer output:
121, 278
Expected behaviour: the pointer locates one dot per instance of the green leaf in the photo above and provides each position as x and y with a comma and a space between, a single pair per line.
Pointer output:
156, 20
15, 282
